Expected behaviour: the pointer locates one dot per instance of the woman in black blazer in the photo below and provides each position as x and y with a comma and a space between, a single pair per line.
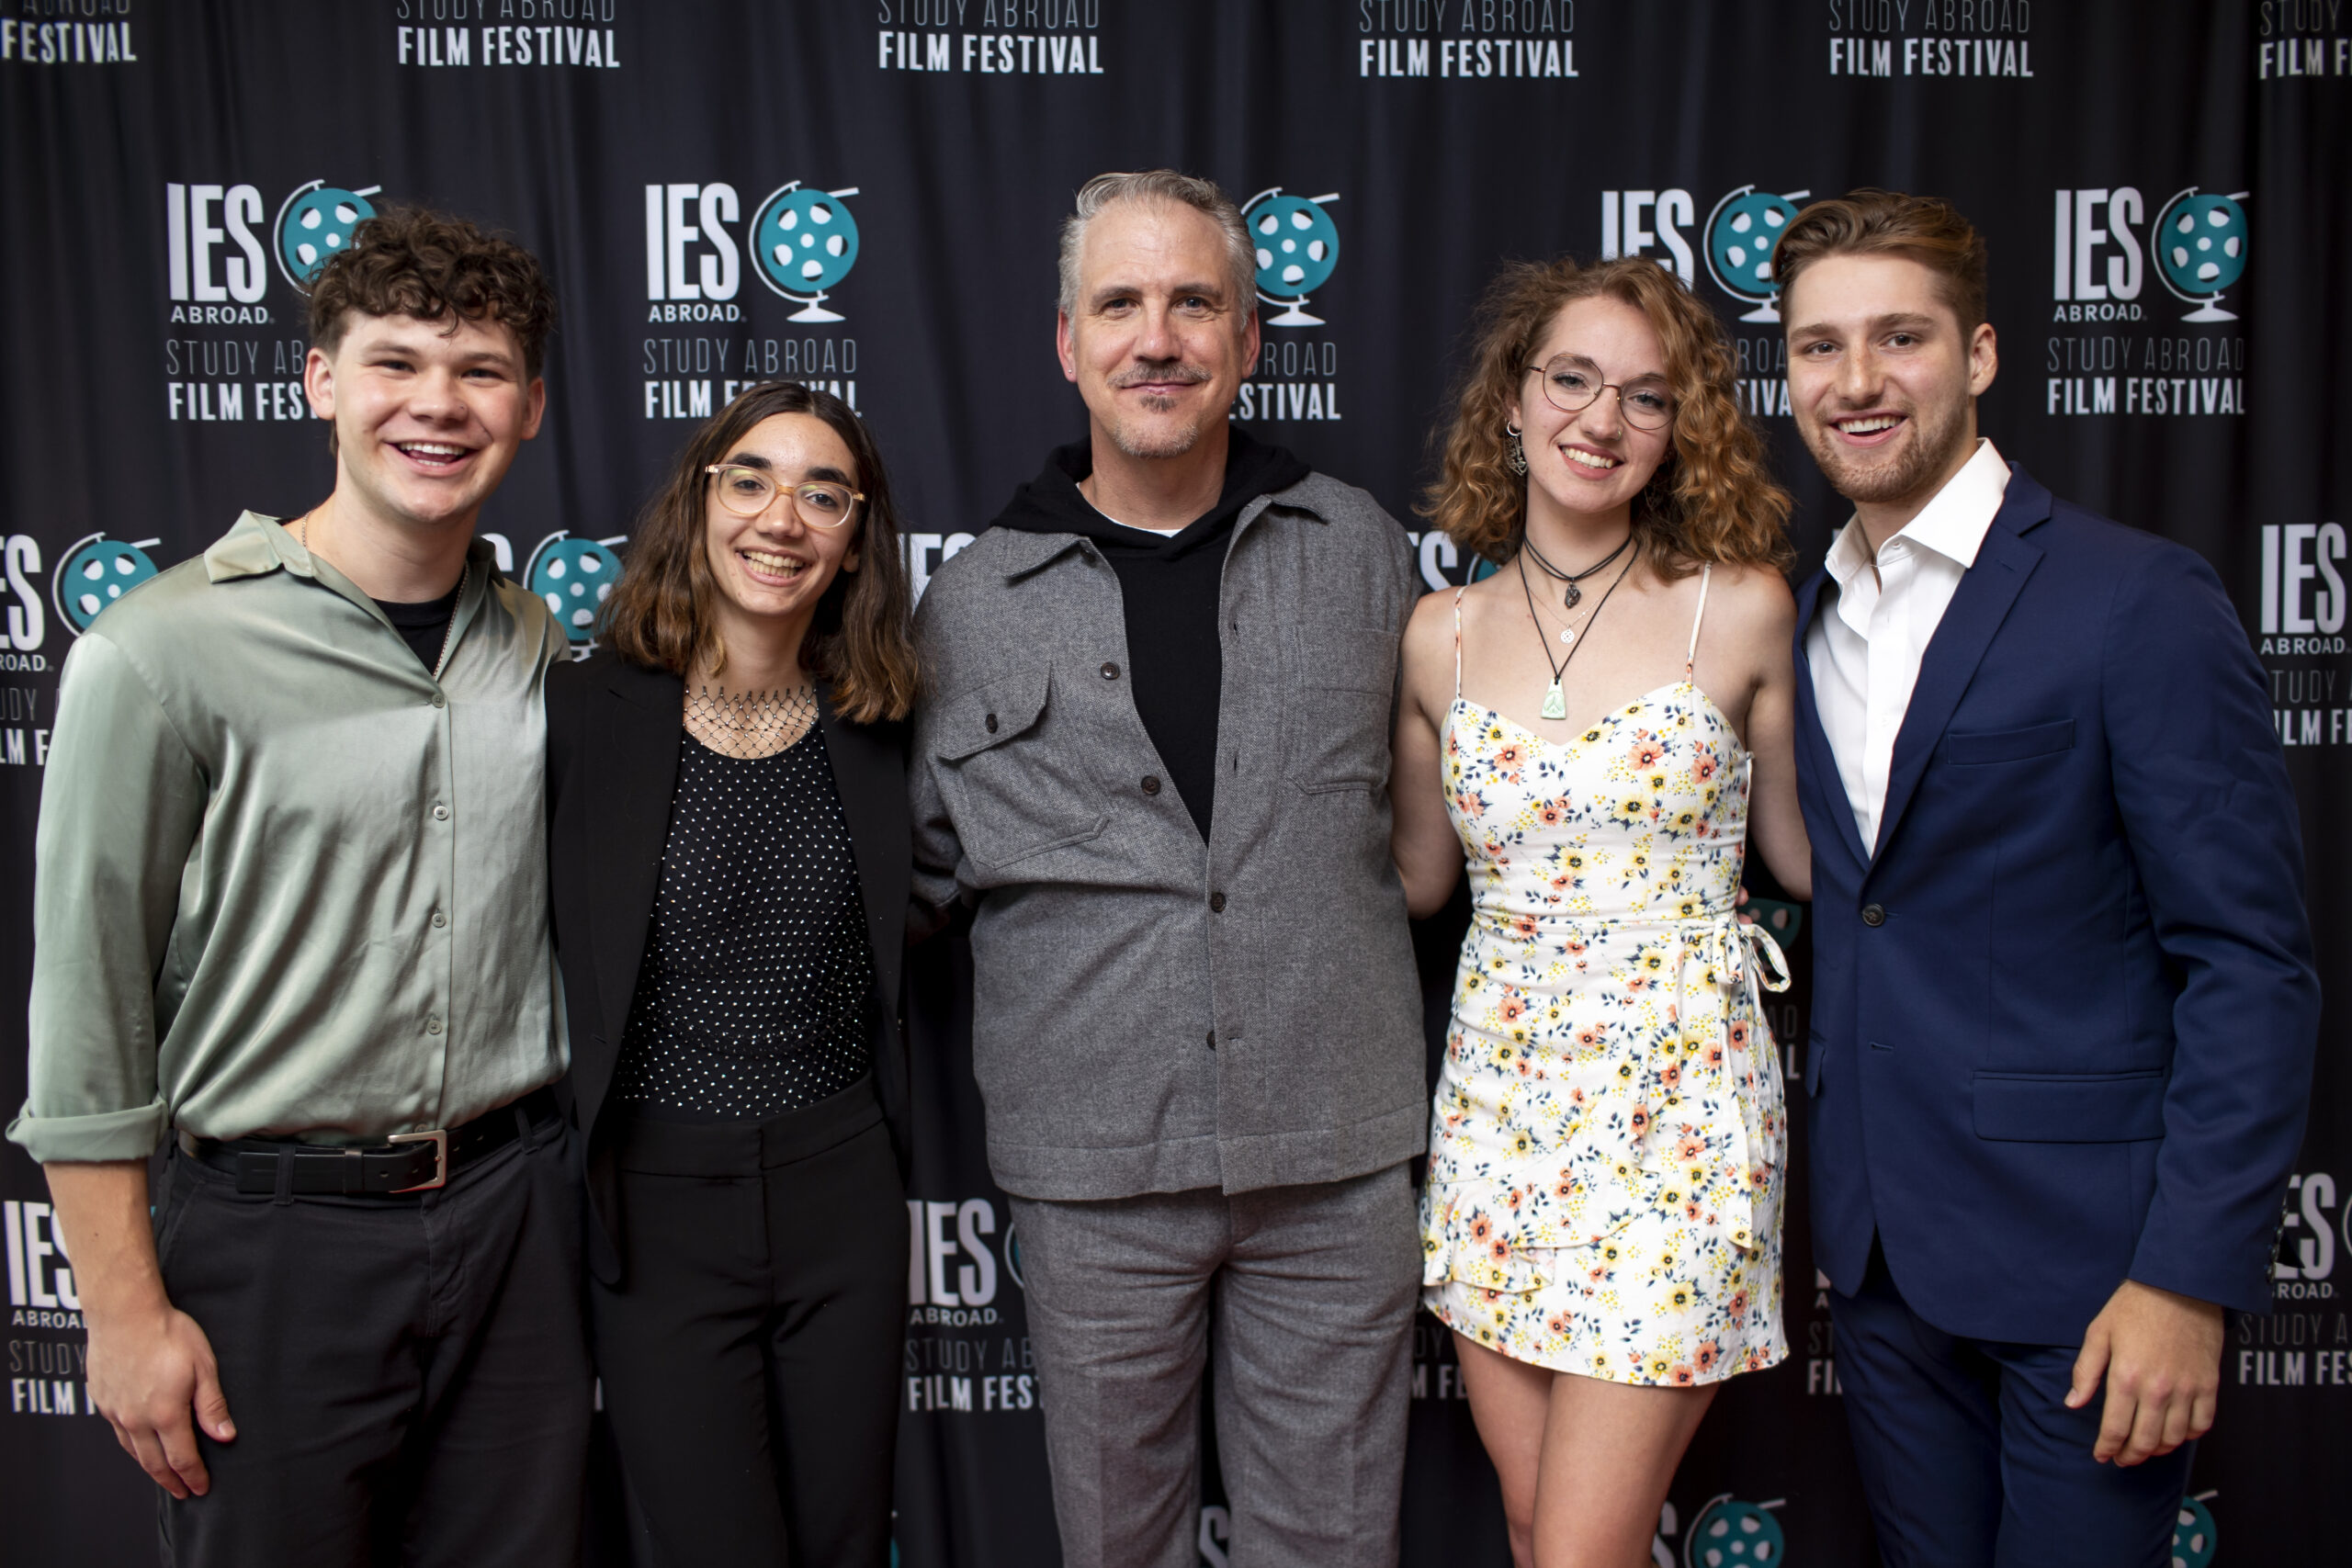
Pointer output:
728, 832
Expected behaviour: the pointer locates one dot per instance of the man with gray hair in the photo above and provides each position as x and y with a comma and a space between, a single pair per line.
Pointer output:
1154, 756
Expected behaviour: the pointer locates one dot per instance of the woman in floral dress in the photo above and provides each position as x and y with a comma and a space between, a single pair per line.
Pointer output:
1597, 725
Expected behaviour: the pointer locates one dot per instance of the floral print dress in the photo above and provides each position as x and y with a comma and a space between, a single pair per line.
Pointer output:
1607, 1148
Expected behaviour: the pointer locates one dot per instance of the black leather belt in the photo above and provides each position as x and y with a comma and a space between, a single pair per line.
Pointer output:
404, 1163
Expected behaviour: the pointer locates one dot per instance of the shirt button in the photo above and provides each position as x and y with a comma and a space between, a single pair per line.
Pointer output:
439, 920
439, 701
1150, 784
440, 812
990, 722
1212, 1039
1110, 671
432, 1026
1216, 903
1873, 915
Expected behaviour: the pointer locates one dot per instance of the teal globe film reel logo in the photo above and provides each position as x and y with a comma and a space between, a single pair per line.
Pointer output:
1296, 247
573, 576
2193, 1538
1741, 232
1729, 1533
95, 572
2201, 243
315, 226
804, 243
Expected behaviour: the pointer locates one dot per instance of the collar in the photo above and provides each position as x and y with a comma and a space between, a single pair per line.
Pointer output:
1952, 523
257, 545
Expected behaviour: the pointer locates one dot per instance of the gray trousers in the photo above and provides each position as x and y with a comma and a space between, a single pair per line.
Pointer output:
1310, 1291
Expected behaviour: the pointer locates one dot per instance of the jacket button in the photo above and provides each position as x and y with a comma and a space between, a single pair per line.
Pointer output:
1873, 915
1150, 784
1212, 1039
990, 722
1216, 903
1110, 671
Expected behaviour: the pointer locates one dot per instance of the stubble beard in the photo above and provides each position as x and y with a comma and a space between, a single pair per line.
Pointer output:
1917, 463
1135, 438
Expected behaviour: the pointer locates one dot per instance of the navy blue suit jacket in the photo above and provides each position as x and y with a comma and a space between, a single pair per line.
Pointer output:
2063, 1017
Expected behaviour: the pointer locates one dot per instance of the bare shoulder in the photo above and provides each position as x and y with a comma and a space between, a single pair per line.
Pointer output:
1751, 601
1428, 634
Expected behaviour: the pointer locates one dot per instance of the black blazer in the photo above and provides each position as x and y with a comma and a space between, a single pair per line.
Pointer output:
613, 737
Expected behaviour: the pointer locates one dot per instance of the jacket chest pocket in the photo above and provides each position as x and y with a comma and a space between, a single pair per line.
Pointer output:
1016, 788
1339, 707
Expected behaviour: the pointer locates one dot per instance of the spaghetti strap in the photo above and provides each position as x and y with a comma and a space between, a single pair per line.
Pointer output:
1689, 659
1457, 641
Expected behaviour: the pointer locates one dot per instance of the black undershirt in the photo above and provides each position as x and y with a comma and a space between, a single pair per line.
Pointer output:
1170, 586
426, 626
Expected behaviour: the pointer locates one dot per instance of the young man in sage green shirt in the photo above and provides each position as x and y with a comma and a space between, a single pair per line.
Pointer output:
289, 923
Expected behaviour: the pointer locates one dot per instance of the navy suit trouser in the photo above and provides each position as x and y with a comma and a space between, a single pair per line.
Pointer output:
1969, 1458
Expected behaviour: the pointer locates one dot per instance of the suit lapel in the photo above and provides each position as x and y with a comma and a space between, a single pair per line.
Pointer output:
636, 732
1978, 607
870, 780
1818, 762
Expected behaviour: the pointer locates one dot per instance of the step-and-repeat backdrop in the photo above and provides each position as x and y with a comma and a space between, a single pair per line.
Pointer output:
864, 193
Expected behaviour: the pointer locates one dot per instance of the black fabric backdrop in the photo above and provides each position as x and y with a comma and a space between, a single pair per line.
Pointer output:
167, 160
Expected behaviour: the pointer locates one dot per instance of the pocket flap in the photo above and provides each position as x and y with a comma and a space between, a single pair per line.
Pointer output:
2009, 745
990, 714
2070, 1108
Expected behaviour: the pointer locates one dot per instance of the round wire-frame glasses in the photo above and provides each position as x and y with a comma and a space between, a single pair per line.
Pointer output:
1571, 384
747, 492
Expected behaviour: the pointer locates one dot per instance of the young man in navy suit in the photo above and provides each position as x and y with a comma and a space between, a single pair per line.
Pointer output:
2064, 1004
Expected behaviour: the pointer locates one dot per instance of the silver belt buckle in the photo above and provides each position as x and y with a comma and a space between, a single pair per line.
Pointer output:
439, 1139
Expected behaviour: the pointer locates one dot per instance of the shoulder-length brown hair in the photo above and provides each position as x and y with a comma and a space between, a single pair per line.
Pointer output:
659, 615
1712, 500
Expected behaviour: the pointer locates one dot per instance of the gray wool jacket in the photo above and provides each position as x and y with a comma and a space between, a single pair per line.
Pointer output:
1151, 1014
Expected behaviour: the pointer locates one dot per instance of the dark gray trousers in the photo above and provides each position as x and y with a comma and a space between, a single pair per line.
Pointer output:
409, 1376
1301, 1297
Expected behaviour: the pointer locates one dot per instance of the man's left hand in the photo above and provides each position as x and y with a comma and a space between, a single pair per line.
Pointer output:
2161, 1356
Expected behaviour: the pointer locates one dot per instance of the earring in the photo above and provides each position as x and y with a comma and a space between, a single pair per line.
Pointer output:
1516, 455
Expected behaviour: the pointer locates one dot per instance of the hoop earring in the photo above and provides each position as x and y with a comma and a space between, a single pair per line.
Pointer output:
1517, 454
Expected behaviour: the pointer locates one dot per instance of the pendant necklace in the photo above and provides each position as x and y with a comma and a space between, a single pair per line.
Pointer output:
1555, 705
1575, 595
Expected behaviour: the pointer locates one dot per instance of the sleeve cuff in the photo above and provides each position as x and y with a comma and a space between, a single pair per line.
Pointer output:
100, 1135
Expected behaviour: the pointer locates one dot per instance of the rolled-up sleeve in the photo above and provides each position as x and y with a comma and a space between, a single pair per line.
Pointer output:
122, 806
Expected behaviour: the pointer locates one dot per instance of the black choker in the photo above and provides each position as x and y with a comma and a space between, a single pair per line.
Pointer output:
1575, 595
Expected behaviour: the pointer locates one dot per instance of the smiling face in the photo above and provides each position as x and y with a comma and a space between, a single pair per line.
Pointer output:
427, 417
1588, 466
1160, 343
1882, 379
770, 569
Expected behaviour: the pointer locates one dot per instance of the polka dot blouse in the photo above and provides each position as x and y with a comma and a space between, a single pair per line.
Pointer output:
756, 993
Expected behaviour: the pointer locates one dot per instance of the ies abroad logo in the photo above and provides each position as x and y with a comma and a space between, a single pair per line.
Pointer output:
801, 243
2301, 640
94, 572
1931, 37
1295, 248
1465, 41
1736, 242
217, 275
2103, 249
1724, 1533
442, 34
573, 576
957, 1265
989, 38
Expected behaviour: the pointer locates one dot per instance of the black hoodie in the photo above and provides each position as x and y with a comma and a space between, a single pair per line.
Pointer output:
1168, 585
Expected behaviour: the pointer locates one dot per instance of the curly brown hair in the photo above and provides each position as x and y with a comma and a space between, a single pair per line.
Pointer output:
658, 613
410, 261
1712, 500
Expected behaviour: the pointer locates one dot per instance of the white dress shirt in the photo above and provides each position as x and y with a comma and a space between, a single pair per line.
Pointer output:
1876, 621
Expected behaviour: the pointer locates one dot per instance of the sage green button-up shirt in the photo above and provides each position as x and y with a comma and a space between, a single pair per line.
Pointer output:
287, 882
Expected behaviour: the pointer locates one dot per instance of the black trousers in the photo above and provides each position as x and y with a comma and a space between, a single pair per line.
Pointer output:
751, 1352
409, 1375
